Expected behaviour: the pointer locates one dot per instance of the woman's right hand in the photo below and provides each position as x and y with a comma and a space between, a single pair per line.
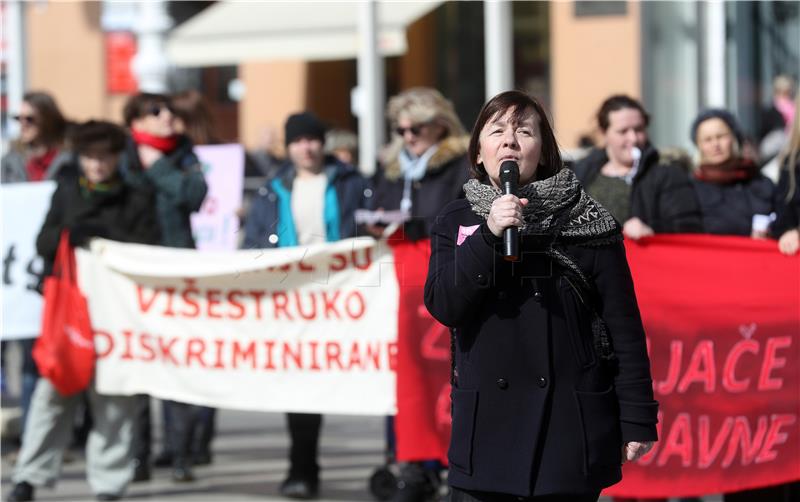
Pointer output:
789, 242
505, 212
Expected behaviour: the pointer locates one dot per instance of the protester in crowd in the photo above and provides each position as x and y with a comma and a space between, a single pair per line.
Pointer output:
97, 203
38, 154
157, 157
343, 145
551, 380
421, 170
264, 160
780, 114
627, 176
787, 224
425, 164
312, 199
735, 199
193, 118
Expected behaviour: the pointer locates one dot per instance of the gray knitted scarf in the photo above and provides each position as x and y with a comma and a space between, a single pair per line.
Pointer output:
560, 211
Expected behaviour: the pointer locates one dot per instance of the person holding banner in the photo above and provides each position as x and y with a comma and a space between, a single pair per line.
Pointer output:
551, 384
629, 177
158, 158
787, 224
312, 199
95, 204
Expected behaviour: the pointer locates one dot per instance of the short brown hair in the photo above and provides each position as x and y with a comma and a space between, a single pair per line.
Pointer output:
96, 134
619, 102
522, 104
137, 106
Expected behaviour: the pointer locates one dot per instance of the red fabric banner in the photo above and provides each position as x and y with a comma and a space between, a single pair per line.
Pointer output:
722, 316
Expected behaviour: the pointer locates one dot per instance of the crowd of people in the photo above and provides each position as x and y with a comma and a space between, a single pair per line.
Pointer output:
140, 182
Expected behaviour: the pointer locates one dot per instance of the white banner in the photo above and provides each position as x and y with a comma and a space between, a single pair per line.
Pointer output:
302, 329
216, 225
25, 206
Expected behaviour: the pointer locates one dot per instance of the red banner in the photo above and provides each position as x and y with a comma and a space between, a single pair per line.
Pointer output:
722, 316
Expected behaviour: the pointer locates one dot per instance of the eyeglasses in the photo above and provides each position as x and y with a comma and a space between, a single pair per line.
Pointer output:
25, 119
156, 110
415, 130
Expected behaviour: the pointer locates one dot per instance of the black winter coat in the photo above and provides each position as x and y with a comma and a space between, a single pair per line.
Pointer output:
535, 412
179, 186
728, 209
124, 214
442, 183
787, 211
661, 195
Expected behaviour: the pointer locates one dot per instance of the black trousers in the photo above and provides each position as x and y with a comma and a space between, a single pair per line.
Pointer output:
178, 421
304, 435
458, 495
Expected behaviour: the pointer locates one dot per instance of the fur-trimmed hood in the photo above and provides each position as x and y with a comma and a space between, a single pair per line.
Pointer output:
450, 148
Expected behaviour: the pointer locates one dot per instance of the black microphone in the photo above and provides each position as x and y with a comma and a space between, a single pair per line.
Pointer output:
509, 177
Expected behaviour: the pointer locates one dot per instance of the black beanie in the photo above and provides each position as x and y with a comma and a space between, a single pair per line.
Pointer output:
717, 113
304, 124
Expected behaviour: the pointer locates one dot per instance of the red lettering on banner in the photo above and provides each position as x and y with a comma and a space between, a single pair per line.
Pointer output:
166, 349
145, 304
374, 354
146, 341
330, 304
257, 295
648, 457
168, 312
128, 354
679, 441
729, 380
355, 305
295, 355
248, 354
675, 357
312, 314
212, 300
333, 353
771, 362
366, 259
109, 341
189, 301
392, 349
280, 303
707, 455
303, 267
775, 437
338, 263
232, 299
195, 353
218, 361
314, 362
701, 368
741, 436
270, 346
355, 358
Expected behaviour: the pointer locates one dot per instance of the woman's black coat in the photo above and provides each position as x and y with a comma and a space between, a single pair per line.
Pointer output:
787, 206
661, 194
534, 410
728, 208
123, 214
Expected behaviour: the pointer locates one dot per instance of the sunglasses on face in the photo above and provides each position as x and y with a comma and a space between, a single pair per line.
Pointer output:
415, 130
156, 110
25, 119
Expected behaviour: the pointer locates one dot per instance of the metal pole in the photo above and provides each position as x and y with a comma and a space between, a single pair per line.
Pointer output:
714, 92
150, 64
16, 72
371, 89
499, 47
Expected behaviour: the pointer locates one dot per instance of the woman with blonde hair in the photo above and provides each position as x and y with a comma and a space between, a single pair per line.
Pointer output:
787, 224
425, 164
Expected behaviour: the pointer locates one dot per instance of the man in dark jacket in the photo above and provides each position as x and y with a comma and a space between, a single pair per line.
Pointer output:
97, 203
627, 177
312, 199
158, 158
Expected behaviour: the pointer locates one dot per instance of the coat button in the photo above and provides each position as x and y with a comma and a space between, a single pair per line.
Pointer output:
482, 280
502, 383
541, 382
537, 295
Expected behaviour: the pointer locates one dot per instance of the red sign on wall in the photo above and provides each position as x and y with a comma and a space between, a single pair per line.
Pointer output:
120, 47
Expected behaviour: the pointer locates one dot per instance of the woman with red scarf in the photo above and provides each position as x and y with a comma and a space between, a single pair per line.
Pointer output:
159, 158
735, 198
38, 153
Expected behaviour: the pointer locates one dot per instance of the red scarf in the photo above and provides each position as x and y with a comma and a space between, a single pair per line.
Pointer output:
165, 145
730, 171
36, 167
